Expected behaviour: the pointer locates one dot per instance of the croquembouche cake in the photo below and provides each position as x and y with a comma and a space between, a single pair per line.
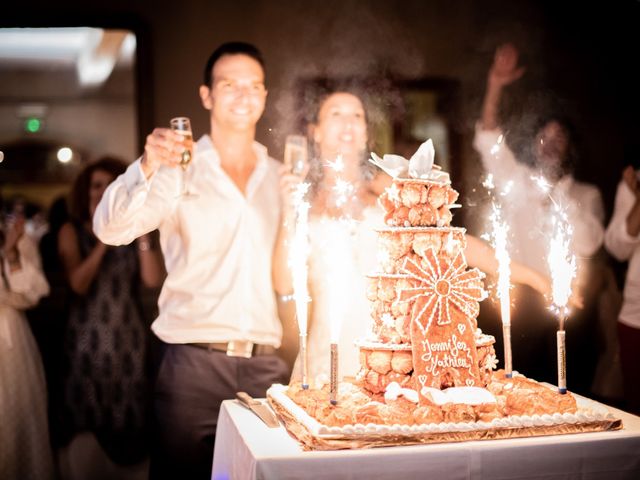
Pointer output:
427, 371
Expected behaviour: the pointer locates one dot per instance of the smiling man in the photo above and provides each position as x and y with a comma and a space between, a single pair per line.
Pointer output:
218, 318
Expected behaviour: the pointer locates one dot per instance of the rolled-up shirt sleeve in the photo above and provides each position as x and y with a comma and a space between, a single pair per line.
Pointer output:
496, 156
617, 239
133, 205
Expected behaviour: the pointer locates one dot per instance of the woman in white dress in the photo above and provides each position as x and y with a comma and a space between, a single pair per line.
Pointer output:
343, 217
25, 451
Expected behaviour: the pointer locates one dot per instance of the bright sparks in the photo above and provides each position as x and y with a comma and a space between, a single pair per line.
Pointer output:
337, 247
542, 183
562, 263
298, 255
337, 165
488, 182
498, 239
343, 191
499, 242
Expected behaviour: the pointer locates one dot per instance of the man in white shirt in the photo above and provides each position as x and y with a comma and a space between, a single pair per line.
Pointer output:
622, 240
217, 309
528, 211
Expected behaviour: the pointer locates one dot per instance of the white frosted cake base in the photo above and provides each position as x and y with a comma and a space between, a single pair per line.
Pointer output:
313, 435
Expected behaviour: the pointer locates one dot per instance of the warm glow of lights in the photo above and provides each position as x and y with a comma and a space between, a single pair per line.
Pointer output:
65, 155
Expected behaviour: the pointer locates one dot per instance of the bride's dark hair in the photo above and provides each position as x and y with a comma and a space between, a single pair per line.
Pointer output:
316, 172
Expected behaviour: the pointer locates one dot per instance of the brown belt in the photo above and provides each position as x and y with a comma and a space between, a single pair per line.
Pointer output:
238, 348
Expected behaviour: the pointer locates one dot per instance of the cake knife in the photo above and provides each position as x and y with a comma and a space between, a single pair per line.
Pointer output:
260, 409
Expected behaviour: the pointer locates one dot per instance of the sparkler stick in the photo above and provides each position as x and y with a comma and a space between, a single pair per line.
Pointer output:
562, 358
298, 254
304, 356
333, 386
563, 269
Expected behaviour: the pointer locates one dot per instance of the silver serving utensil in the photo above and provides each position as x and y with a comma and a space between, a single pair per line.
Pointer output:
263, 411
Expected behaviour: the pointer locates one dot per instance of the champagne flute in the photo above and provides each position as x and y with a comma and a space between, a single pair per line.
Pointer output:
182, 126
296, 156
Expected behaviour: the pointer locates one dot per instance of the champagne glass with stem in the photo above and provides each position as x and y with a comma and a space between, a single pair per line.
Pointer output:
296, 154
182, 126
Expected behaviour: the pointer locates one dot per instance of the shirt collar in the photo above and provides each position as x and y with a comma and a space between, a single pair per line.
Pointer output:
206, 149
204, 146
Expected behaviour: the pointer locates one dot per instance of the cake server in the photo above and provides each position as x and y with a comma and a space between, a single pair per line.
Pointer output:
263, 411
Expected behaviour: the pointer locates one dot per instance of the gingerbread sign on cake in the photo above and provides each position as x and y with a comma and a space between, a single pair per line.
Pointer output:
445, 305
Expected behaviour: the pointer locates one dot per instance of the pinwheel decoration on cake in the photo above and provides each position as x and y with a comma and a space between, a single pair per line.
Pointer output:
443, 286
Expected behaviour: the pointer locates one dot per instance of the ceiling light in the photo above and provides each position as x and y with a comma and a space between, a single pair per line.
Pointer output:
65, 154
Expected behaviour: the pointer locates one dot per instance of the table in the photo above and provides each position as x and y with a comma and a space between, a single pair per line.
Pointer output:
247, 449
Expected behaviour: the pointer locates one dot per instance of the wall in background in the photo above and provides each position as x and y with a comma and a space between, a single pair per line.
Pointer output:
584, 67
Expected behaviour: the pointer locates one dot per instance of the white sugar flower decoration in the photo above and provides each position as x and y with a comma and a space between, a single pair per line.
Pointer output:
420, 165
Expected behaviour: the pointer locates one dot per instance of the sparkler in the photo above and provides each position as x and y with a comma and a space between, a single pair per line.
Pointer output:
562, 265
337, 257
499, 242
298, 255
563, 269
338, 288
500, 230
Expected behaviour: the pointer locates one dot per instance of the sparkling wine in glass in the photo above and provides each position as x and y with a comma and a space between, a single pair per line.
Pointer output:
296, 156
182, 126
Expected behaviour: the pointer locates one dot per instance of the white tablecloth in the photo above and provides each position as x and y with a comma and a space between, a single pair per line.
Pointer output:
247, 449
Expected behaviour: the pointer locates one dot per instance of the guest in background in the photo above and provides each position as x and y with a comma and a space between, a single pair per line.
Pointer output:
106, 387
622, 240
49, 317
25, 451
528, 212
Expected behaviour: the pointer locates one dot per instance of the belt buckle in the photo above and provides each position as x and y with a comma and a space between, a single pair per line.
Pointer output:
239, 348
